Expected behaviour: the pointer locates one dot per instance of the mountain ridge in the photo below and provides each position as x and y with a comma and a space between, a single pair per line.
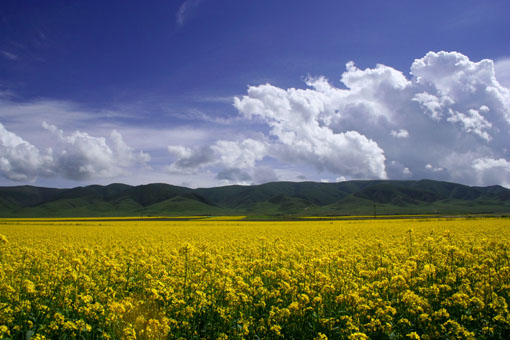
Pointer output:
274, 198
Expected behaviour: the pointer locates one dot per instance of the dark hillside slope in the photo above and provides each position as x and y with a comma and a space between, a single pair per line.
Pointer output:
27, 195
152, 193
277, 198
237, 196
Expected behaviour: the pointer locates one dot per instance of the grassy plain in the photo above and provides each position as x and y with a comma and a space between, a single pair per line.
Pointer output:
381, 279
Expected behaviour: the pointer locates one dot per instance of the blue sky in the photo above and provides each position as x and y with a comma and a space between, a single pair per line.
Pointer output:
205, 93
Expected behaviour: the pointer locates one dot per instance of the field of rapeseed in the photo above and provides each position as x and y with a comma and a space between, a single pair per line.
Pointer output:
383, 279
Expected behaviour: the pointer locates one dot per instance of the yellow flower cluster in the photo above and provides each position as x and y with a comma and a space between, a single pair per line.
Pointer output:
208, 279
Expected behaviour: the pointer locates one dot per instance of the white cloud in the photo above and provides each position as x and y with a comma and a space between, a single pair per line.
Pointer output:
80, 156
242, 154
401, 133
492, 171
126, 156
20, 160
297, 126
460, 83
490, 163
449, 119
475, 168
451, 107
26, 117
450, 112
473, 121
432, 168
502, 69
371, 82
77, 156
189, 160
432, 105
236, 161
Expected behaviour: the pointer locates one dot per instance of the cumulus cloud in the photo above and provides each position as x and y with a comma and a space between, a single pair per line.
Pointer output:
402, 133
295, 118
189, 160
475, 168
492, 171
502, 69
473, 121
242, 154
432, 105
126, 156
446, 117
76, 156
80, 156
450, 108
236, 161
432, 168
451, 112
20, 160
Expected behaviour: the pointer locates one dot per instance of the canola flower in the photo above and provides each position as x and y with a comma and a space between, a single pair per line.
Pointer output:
384, 279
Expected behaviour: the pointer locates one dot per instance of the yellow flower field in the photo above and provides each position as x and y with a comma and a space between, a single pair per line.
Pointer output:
377, 279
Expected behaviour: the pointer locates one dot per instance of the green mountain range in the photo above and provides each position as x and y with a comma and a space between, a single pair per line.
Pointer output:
270, 199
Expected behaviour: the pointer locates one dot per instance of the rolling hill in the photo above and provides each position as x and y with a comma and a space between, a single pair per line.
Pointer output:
270, 199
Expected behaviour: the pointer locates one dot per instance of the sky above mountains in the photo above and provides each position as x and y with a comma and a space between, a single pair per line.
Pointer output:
204, 93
